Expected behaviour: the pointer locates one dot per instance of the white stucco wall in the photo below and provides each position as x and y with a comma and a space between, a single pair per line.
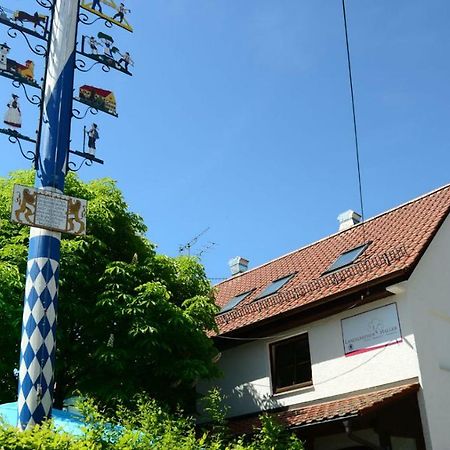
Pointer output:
247, 381
428, 293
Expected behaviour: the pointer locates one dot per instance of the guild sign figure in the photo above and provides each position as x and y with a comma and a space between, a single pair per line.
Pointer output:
121, 13
4, 50
92, 138
13, 116
96, 3
93, 44
126, 59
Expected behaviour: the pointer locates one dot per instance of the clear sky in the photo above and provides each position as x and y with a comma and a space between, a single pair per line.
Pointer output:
239, 119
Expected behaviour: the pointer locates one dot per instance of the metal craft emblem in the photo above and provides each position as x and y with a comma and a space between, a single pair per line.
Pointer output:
101, 48
9, 68
34, 24
119, 17
98, 98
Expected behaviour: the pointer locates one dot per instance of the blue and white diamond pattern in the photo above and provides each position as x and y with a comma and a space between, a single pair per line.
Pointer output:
37, 349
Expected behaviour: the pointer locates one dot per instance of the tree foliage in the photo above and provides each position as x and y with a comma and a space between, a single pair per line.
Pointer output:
129, 321
147, 426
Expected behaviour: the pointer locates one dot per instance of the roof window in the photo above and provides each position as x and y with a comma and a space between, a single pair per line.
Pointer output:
275, 286
235, 301
346, 258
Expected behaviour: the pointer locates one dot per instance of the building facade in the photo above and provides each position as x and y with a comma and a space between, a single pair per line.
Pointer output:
346, 340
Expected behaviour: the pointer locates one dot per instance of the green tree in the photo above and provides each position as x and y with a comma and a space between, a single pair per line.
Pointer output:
129, 320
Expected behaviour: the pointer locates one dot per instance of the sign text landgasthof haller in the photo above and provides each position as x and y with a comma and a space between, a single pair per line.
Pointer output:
48, 210
372, 329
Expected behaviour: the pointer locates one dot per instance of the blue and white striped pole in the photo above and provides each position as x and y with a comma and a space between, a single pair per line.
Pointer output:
38, 344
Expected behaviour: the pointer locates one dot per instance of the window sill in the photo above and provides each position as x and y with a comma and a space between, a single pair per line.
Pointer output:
304, 387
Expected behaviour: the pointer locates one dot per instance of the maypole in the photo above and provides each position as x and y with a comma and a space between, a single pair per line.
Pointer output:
45, 208
38, 343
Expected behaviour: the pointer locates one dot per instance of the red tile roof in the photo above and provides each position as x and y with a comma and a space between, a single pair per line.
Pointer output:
398, 239
349, 406
101, 92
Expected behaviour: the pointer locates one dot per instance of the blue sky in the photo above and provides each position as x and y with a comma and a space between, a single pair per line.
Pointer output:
239, 119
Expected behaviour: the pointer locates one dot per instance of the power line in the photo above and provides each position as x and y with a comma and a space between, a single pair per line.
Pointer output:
355, 128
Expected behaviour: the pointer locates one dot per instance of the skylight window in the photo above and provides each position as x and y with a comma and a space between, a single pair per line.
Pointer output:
275, 286
235, 301
347, 258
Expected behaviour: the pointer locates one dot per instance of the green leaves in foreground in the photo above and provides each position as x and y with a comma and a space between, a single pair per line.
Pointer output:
147, 426
129, 320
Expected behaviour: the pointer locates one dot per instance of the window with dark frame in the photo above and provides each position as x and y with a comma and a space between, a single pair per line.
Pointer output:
347, 258
290, 363
235, 301
275, 286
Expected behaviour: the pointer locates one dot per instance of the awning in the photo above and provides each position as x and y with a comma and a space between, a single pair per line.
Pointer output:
345, 407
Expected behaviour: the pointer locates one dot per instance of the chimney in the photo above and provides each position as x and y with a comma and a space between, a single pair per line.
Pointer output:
347, 219
238, 265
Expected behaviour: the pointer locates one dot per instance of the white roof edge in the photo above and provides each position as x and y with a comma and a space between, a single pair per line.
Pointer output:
420, 197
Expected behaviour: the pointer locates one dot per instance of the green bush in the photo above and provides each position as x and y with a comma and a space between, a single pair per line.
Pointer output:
147, 426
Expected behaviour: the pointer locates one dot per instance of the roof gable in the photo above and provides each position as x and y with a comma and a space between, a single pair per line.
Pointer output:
397, 239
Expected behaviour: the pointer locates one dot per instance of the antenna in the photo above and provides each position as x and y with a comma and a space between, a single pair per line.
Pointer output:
187, 247
205, 248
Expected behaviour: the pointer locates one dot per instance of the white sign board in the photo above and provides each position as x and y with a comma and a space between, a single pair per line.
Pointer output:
48, 210
372, 329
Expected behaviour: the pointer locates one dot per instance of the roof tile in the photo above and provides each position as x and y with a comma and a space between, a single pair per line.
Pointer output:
398, 239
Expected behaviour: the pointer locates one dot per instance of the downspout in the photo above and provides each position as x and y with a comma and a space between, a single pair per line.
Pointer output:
357, 439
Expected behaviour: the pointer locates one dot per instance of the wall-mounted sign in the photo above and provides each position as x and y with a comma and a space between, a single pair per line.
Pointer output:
48, 210
373, 329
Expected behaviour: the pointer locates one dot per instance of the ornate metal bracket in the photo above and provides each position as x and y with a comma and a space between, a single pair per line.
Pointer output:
81, 66
77, 114
38, 49
47, 4
72, 167
87, 160
84, 19
33, 99
15, 138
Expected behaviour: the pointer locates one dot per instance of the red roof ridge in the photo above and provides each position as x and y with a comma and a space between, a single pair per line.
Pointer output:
446, 186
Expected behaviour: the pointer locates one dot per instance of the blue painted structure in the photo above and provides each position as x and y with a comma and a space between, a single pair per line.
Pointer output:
38, 344
66, 421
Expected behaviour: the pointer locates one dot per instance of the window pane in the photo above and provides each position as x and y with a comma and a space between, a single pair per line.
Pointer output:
292, 362
347, 258
235, 301
275, 286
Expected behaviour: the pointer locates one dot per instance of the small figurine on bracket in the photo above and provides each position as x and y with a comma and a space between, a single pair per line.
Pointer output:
121, 13
4, 50
95, 7
90, 48
38, 20
107, 42
24, 73
92, 138
97, 3
13, 116
126, 59
98, 98
93, 44
19, 20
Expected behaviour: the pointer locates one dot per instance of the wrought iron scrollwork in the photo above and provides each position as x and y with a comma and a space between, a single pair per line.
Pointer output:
84, 19
72, 167
77, 114
47, 4
38, 49
33, 99
27, 154
81, 66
